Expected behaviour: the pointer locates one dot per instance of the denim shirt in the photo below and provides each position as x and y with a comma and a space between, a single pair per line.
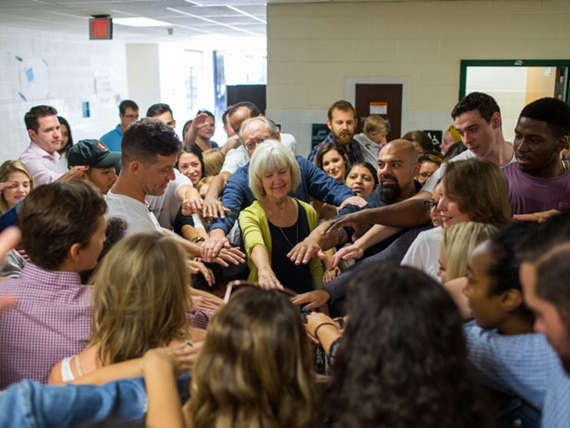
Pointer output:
314, 183
32, 404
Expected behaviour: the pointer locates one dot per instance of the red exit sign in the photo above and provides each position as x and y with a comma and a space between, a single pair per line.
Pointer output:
100, 29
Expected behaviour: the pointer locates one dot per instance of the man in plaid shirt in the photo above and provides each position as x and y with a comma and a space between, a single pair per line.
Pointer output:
63, 230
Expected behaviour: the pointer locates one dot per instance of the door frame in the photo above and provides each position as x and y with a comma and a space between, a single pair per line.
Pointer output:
510, 63
350, 91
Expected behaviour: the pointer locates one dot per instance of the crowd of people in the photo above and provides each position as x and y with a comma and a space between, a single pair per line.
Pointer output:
174, 281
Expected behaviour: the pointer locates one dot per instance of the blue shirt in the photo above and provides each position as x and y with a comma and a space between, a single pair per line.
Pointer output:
113, 139
523, 365
31, 404
314, 183
355, 154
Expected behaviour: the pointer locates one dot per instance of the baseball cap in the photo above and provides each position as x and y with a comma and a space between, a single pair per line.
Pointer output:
92, 153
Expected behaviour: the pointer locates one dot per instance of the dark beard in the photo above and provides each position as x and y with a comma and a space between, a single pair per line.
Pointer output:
343, 139
391, 194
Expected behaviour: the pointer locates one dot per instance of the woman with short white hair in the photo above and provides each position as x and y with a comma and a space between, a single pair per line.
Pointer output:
276, 222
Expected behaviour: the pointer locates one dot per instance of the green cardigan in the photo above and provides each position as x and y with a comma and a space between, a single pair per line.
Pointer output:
255, 228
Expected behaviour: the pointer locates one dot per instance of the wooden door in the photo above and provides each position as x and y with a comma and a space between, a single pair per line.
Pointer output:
383, 99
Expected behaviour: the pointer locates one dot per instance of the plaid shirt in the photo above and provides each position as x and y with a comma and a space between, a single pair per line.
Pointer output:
355, 154
53, 320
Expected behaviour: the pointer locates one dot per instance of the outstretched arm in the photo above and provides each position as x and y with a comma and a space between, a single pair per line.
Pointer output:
412, 212
373, 236
315, 243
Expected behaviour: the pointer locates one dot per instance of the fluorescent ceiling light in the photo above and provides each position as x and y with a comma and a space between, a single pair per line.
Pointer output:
194, 2
235, 9
140, 22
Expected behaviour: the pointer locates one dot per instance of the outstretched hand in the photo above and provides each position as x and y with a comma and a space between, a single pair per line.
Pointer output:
197, 267
232, 255
304, 251
268, 280
354, 200
357, 221
351, 252
312, 300
181, 358
213, 208
212, 247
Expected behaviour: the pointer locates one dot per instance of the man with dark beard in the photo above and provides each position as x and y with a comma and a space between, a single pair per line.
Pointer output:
397, 166
342, 124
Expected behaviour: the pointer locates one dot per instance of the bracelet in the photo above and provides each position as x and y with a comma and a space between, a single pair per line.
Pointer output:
198, 239
320, 325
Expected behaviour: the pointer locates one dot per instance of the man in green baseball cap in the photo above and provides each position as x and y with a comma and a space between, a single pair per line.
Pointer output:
102, 163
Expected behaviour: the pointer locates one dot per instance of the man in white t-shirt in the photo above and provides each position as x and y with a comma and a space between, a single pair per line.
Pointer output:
150, 151
477, 117
180, 191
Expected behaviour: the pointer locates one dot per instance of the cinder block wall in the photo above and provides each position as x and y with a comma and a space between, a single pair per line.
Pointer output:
78, 70
314, 48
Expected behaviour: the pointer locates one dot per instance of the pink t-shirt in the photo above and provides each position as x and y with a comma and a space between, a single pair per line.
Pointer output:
529, 194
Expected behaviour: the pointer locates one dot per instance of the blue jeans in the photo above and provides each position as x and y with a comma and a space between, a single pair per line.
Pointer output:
32, 404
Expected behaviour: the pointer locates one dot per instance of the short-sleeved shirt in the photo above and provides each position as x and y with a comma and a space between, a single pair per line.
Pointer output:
370, 149
166, 206
529, 194
136, 214
424, 252
53, 320
113, 139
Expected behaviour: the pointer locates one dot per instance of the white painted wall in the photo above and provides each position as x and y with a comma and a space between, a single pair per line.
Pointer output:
77, 70
143, 75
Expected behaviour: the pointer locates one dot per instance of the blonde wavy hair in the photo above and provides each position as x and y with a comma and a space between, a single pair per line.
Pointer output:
8, 168
255, 368
213, 162
459, 242
142, 297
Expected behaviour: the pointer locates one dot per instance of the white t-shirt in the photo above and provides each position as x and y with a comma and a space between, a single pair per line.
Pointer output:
135, 213
424, 252
370, 149
438, 175
238, 157
166, 206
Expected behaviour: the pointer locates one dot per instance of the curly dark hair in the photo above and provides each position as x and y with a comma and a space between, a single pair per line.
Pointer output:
403, 358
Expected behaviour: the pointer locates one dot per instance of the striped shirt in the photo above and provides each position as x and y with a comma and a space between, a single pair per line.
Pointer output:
53, 320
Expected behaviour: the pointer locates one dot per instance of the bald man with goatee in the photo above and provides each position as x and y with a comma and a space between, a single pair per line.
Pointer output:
397, 166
